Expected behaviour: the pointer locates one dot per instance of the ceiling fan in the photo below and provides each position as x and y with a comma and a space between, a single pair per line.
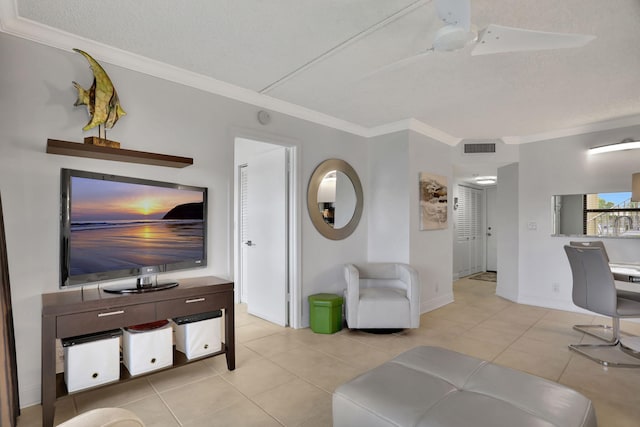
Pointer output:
458, 32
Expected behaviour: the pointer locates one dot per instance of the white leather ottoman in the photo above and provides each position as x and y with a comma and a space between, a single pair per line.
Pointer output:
432, 386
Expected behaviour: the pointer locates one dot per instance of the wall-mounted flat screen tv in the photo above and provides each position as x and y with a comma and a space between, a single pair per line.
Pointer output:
114, 227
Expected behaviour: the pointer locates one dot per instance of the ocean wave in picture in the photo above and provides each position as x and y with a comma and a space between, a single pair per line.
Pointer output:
115, 245
94, 225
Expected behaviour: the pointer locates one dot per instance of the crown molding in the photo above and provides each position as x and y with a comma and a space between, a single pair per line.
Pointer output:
605, 125
15, 25
426, 130
56, 38
415, 126
11, 23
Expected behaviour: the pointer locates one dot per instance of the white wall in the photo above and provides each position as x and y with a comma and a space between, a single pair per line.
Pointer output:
388, 199
36, 100
431, 250
508, 232
395, 163
324, 258
563, 166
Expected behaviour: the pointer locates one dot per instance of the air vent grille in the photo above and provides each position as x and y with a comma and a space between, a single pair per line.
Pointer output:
480, 148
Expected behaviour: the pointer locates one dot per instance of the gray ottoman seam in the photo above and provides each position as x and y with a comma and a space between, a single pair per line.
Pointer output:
463, 389
520, 404
428, 386
436, 375
525, 410
378, 415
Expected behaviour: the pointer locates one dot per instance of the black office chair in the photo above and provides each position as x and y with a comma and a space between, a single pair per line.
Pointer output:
594, 290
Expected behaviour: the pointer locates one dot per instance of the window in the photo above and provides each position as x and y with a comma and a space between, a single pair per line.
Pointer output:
610, 214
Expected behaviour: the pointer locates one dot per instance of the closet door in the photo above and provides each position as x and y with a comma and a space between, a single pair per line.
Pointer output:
469, 232
462, 233
9, 404
477, 231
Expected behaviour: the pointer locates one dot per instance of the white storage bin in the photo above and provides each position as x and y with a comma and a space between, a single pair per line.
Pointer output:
147, 350
91, 360
198, 335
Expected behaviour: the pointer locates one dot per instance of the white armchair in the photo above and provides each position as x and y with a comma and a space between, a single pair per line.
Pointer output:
382, 296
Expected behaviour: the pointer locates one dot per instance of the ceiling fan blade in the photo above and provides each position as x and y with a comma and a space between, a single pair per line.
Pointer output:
399, 64
455, 12
499, 39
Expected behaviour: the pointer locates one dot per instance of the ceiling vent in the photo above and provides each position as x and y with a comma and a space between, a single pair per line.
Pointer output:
485, 147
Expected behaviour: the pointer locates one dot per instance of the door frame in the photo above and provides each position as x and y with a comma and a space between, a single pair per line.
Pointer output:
294, 227
241, 289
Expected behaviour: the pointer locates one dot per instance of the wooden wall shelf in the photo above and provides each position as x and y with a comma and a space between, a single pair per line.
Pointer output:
67, 148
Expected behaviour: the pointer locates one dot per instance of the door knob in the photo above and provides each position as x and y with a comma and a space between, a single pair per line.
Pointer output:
249, 243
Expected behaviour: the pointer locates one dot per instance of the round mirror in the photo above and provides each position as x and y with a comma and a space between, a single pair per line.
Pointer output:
334, 199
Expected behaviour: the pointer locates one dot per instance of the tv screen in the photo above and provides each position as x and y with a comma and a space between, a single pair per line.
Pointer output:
114, 227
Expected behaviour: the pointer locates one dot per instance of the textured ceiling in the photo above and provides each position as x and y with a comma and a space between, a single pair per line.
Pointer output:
322, 56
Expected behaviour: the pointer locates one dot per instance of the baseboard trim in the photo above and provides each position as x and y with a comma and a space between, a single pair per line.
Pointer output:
555, 304
29, 396
435, 303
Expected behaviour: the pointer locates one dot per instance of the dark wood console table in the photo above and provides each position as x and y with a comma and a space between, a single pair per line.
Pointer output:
68, 314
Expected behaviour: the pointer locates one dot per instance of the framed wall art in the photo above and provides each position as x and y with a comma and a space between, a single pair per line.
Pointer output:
433, 201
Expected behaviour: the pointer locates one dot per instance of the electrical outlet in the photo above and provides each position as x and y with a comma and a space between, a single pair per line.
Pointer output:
556, 287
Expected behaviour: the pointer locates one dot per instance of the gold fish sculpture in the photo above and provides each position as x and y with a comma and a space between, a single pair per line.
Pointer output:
101, 99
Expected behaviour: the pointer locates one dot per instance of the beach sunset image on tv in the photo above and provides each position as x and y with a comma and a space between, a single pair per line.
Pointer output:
120, 225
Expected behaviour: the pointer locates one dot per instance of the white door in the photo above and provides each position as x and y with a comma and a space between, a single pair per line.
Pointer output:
462, 234
266, 231
469, 241
476, 248
492, 229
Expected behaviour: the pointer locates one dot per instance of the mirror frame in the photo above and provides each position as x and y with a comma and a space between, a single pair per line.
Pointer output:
312, 199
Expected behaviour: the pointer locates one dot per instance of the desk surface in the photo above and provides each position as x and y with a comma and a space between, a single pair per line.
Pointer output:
625, 272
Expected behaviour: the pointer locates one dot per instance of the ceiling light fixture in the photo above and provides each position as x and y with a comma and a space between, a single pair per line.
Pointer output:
485, 180
626, 144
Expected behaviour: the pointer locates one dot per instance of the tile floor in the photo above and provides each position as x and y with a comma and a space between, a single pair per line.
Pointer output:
286, 376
